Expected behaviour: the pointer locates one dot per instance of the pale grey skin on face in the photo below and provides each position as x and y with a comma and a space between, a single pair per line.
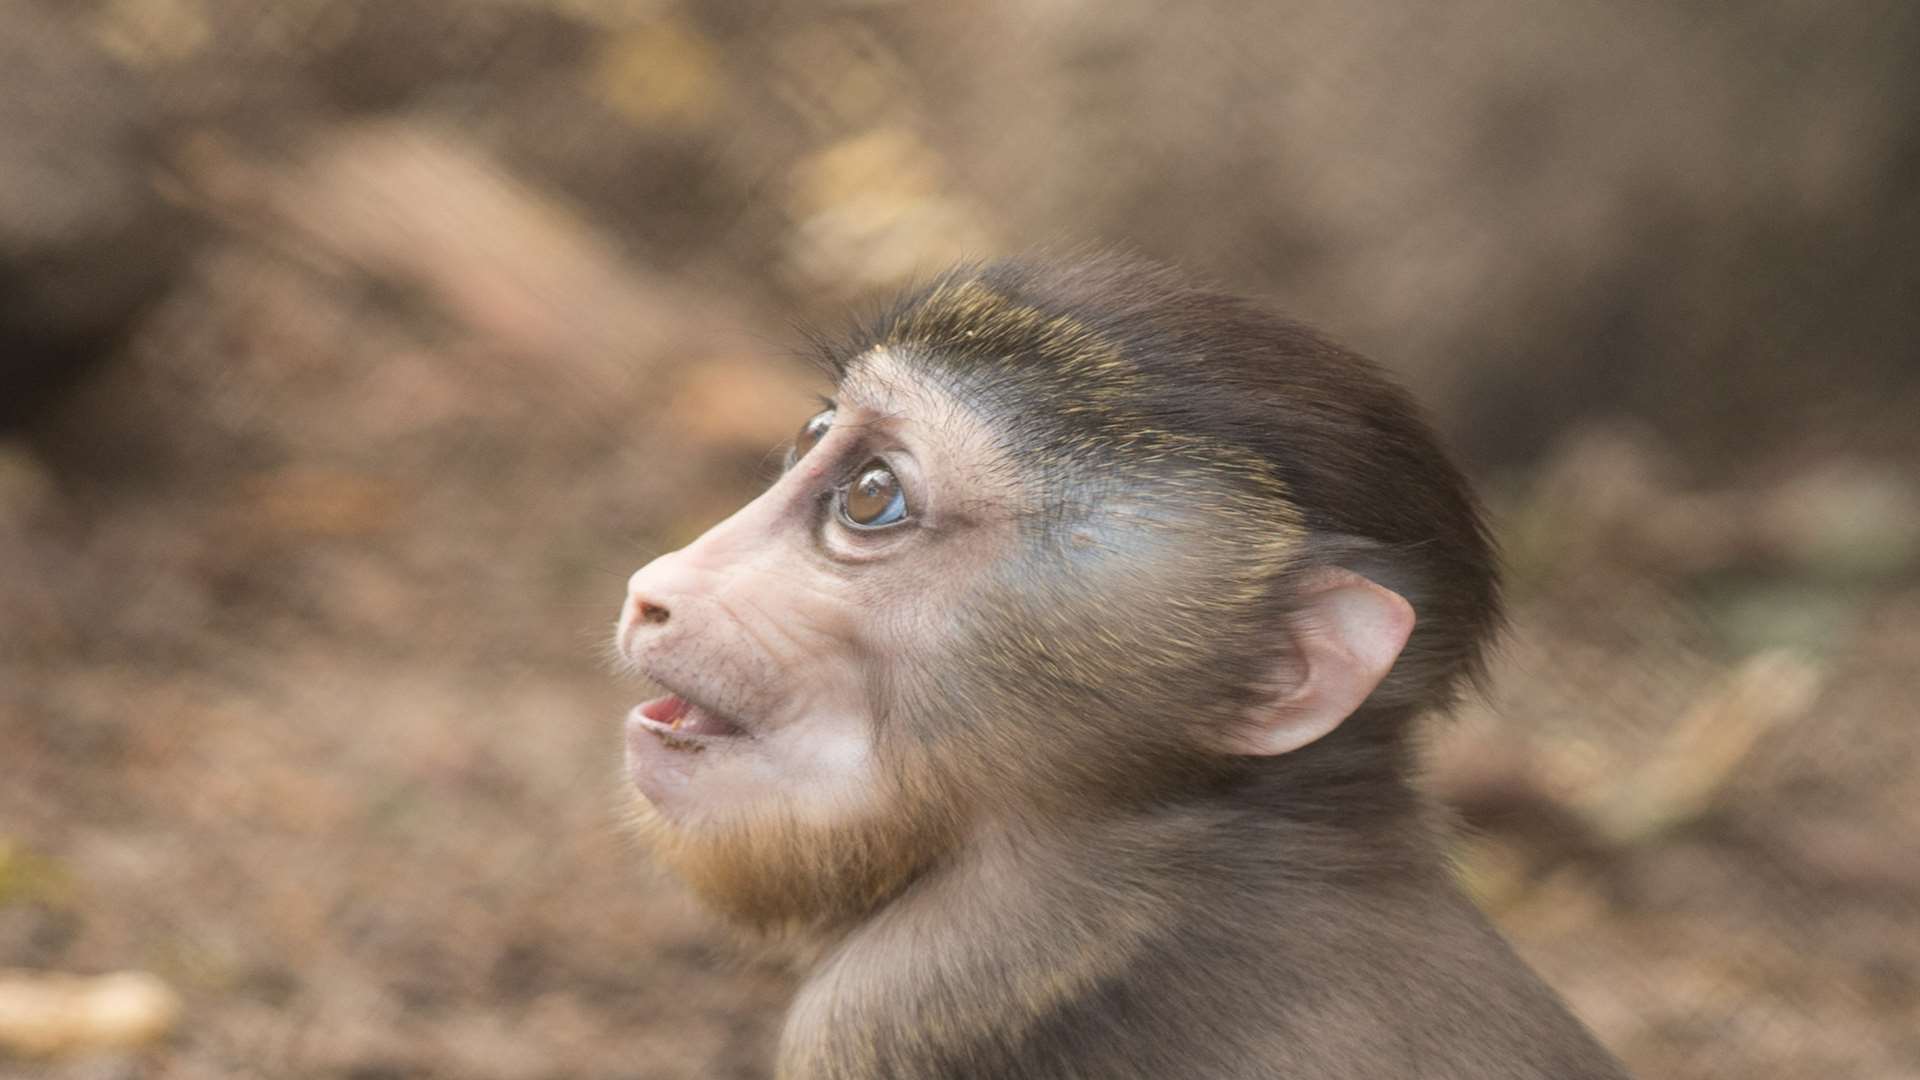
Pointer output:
781, 614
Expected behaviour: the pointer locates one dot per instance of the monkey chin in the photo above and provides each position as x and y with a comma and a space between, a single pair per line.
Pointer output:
776, 875
669, 740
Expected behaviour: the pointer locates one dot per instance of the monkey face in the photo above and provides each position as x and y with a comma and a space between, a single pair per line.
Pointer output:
776, 773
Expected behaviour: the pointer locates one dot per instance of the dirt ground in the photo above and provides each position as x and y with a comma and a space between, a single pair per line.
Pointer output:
354, 353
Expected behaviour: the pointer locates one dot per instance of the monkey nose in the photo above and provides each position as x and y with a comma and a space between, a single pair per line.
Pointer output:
643, 594
639, 614
652, 593
644, 600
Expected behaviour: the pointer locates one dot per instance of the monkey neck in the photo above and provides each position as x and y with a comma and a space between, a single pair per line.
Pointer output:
1029, 921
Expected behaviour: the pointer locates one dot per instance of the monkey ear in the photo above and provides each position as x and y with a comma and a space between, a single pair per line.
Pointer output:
1346, 633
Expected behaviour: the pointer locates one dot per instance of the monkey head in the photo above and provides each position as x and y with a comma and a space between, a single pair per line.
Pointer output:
1067, 538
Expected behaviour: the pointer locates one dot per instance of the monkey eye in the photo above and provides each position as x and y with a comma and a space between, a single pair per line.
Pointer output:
811, 433
875, 499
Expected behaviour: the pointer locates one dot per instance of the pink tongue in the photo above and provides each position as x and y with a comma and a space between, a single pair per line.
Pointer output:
667, 710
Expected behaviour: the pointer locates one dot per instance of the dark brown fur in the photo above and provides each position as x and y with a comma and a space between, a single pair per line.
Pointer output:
1092, 891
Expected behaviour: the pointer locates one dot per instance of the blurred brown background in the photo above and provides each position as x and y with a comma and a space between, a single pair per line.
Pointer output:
352, 352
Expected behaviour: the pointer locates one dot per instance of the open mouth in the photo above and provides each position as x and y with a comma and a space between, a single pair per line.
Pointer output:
682, 724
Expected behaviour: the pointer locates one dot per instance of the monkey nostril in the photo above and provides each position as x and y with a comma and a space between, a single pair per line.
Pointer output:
653, 613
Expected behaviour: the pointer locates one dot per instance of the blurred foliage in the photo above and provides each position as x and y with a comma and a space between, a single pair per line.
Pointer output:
352, 352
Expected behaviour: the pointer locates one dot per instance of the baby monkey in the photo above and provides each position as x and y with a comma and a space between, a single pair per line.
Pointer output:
1057, 702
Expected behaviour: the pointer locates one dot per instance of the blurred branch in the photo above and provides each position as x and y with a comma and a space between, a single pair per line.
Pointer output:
1666, 784
47, 1013
1687, 769
422, 210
